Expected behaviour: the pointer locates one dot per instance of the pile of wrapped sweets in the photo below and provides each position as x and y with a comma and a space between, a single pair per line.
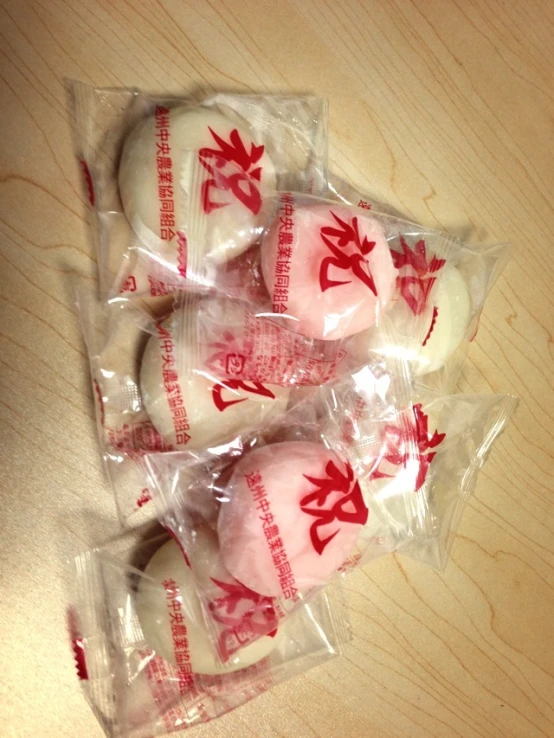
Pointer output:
273, 355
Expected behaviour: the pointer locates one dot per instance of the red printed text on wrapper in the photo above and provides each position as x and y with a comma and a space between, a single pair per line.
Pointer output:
337, 499
285, 242
233, 173
179, 635
173, 388
416, 279
272, 535
246, 615
164, 168
349, 251
397, 451
255, 388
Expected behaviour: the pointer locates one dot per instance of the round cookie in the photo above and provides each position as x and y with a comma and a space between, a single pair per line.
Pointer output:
190, 407
335, 277
192, 179
294, 514
168, 579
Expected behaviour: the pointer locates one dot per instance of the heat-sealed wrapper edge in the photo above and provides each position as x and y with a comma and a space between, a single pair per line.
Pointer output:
146, 663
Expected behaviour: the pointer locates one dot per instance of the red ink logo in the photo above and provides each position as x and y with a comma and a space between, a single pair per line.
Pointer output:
130, 285
144, 497
395, 444
225, 178
255, 388
335, 239
416, 289
227, 357
88, 181
244, 612
364, 204
348, 508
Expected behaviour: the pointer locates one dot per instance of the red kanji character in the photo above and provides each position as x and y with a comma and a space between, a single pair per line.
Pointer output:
416, 289
165, 177
168, 360
130, 285
163, 134
267, 520
176, 605
168, 206
182, 439
165, 192
263, 505
284, 253
169, 584
169, 376
284, 568
255, 388
272, 531
181, 424
241, 608
179, 412
340, 483
282, 267
286, 238
287, 210
163, 149
241, 184
282, 280
287, 224
276, 545
258, 491
178, 630
167, 234
167, 219
177, 617
163, 162
279, 558
253, 479
348, 234
280, 294
180, 644
175, 402
286, 197
279, 307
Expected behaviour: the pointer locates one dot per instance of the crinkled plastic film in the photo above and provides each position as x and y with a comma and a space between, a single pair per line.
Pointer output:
143, 155
145, 661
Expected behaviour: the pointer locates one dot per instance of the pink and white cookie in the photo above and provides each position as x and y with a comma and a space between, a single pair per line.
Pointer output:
294, 513
328, 267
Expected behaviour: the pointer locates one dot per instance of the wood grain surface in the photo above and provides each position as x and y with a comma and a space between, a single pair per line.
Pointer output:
444, 108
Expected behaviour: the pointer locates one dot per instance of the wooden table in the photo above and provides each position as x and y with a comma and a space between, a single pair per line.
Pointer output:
445, 110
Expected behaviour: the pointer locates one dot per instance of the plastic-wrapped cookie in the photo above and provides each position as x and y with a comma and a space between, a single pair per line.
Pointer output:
328, 268
189, 405
192, 183
293, 514
170, 614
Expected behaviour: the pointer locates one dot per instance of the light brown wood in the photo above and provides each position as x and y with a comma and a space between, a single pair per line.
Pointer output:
445, 110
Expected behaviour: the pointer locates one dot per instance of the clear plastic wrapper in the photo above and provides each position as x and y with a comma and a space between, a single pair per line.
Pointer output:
142, 649
327, 284
152, 394
336, 281
287, 508
446, 292
353, 472
157, 168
